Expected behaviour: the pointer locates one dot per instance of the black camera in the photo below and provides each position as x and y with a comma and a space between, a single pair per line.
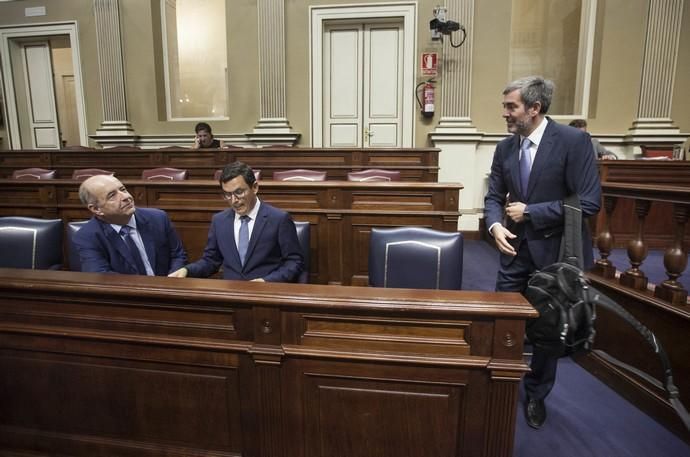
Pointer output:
444, 27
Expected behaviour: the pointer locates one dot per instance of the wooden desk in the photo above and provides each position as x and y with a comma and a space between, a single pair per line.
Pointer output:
414, 164
341, 213
110, 365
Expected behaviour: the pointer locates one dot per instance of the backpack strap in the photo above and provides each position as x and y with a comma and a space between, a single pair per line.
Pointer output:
594, 296
571, 243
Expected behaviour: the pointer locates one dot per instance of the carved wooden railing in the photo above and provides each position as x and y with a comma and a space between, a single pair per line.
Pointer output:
645, 196
641, 215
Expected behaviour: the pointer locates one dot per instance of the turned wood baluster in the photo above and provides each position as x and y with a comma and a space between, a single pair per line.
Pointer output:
675, 261
605, 241
637, 250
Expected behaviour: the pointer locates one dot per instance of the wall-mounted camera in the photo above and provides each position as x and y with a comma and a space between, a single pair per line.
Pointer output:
440, 26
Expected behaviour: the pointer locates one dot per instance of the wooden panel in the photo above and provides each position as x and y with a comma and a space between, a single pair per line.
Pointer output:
415, 164
341, 213
658, 234
96, 364
670, 324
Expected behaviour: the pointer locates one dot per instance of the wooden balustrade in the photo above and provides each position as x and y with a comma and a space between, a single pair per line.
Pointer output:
645, 196
664, 311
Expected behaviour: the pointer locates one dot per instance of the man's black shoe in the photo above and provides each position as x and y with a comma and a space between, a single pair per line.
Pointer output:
535, 411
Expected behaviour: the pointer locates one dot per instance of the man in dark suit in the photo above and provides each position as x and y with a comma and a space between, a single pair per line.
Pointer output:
251, 240
532, 172
121, 238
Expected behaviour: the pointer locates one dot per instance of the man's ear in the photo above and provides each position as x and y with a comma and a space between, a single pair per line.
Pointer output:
535, 109
255, 186
95, 209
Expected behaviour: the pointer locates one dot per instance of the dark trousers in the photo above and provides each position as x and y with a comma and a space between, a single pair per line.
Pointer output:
513, 278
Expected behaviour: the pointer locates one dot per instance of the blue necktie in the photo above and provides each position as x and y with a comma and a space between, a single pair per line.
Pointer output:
243, 242
525, 164
133, 249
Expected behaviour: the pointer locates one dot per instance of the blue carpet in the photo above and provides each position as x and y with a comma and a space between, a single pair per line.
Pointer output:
585, 417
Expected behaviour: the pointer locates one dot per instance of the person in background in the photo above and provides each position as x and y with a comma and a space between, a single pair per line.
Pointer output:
121, 238
252, 240
601, 151
538, 166
204, 138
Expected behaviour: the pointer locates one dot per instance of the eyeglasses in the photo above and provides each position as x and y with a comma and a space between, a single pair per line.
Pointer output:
237, 193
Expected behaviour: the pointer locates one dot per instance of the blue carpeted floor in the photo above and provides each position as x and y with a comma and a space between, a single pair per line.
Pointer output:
585, 417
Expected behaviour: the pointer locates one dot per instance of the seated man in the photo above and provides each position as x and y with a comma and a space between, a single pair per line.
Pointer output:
251, 240
602, 152
121, 238
204, 137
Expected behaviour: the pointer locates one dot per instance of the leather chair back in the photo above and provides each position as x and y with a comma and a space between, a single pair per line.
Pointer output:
415, 258
304, 236
84, 173
26, 242
33, 173
216, 175
164, 174
299, 174
72, 254
374, 174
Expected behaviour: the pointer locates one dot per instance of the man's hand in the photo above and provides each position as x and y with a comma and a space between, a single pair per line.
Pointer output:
197, 143
516, 211
181, 273
502, 235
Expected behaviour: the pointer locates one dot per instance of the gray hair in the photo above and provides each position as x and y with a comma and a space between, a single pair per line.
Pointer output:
533, 89
86, 197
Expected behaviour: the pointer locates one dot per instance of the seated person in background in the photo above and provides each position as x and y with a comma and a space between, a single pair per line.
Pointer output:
602, 152
121, 238
251, 240
204, 137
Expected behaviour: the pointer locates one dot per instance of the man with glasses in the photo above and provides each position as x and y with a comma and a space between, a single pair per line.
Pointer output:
251, 240
121, 238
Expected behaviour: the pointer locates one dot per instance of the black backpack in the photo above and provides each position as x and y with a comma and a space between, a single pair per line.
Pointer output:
567, 303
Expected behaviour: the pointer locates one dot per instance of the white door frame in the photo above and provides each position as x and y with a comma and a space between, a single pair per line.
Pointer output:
319, 14
40, 30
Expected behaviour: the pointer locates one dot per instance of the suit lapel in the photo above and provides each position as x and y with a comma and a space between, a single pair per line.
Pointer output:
144, 229
543, 156
259, 225
230, 223
513, 164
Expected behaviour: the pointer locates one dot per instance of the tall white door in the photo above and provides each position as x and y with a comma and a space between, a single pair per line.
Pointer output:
38, 72
363, 85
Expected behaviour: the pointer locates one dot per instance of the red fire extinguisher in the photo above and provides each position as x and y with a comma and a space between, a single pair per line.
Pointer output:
427, 106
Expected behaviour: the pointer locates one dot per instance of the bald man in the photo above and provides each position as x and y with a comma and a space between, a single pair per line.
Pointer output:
121, 238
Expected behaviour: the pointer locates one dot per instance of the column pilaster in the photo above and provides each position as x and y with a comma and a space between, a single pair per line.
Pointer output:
115, 127
658, 69
273, 126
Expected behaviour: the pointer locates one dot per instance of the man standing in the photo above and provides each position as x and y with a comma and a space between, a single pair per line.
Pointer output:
121, 238
532, 172
251, 240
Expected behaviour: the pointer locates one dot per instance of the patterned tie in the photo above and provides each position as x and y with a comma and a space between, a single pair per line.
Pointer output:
133, 249
243, 242
525, 164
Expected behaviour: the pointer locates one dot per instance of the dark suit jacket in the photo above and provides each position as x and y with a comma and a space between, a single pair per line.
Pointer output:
564, 164
274, 253
102, 250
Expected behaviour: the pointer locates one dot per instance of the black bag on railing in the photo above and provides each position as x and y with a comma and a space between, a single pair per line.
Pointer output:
566, 303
